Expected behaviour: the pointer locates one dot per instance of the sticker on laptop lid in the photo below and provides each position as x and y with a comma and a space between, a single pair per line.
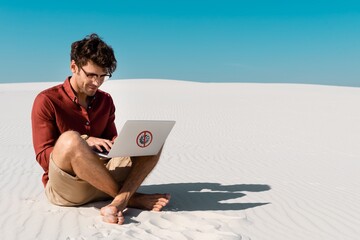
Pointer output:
144, 139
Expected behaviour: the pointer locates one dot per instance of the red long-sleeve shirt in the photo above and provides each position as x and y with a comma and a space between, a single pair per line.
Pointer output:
56, 110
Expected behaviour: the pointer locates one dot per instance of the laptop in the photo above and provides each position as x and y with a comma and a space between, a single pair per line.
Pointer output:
139, 138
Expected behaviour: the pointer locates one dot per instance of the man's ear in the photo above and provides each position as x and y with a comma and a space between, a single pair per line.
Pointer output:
73, 66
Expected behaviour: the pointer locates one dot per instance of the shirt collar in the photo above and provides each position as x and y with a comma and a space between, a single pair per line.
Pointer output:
69, 90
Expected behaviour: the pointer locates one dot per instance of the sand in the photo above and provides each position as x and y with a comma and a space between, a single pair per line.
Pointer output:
244, 161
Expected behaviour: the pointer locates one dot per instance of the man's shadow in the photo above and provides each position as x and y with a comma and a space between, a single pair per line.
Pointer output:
206, 196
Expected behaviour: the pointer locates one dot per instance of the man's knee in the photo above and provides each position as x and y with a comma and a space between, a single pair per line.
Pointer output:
68, 142
66, 149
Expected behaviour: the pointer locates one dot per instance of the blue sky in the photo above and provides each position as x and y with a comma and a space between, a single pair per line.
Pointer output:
315, 42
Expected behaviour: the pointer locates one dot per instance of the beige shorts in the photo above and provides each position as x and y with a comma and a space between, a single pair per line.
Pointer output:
66, 190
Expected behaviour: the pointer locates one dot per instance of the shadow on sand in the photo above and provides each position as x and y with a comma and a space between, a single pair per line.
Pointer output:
206, 196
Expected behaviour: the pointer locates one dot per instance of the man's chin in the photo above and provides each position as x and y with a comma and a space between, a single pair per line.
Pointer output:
91, 92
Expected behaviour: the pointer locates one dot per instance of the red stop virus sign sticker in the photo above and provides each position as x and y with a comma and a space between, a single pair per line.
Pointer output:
144, 139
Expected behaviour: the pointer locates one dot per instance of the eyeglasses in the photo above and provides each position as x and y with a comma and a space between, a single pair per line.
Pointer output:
102, 77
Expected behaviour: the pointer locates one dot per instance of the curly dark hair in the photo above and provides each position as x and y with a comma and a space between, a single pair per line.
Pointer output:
92, 48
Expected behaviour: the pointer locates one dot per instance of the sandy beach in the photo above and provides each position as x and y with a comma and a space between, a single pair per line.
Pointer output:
244, 161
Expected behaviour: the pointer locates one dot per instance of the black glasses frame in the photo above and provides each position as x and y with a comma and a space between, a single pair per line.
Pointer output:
102, 77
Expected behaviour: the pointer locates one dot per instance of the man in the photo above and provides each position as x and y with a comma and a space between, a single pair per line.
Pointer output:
70, 121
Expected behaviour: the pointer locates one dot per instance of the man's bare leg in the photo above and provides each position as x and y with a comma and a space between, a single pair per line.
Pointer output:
141, 167
73, 155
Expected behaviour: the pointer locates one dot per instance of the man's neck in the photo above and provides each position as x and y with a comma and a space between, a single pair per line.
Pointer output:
83, 101
82, 97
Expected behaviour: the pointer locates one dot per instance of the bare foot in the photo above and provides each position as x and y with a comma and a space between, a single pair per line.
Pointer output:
112, 215
154, 202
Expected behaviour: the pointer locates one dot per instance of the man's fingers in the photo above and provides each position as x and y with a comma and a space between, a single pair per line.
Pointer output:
105, 145
100, 144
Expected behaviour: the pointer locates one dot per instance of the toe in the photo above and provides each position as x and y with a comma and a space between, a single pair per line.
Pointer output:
120, 218
110, 219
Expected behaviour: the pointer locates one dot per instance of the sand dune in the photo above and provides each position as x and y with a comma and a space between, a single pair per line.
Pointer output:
244, 161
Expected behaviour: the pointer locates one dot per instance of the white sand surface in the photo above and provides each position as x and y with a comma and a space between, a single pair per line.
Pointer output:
244, 161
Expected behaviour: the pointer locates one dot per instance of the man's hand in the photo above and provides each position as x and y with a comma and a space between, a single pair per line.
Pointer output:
99, 144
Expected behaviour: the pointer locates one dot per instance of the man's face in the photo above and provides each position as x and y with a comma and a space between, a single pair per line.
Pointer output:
88, 78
